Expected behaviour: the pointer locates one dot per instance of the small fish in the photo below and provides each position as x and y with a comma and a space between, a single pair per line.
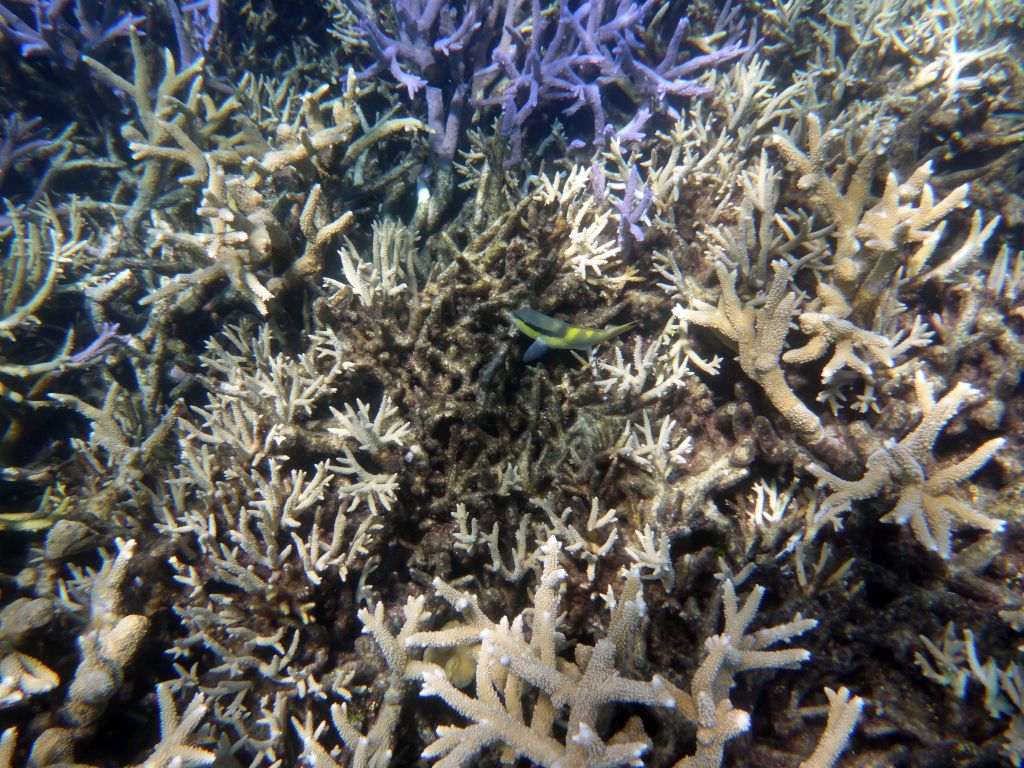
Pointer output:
548, 333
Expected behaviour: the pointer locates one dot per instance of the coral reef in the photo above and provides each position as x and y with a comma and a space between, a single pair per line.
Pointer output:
281, 483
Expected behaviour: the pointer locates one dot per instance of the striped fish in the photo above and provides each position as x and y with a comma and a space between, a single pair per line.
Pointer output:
549, 333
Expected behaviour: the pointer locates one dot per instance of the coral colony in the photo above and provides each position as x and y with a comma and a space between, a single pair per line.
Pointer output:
530, 382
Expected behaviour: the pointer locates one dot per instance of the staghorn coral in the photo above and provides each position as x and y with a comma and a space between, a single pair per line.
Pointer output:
36, 256
312, 526
306, 405
243, 238
108, 642
873, 242
867, 353
177, 735
909, 467
509, 667
373, 749
23, 146
582, 689
957, 662
759, 334
46, 28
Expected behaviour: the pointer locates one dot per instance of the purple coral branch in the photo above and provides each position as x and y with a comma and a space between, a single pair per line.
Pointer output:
43, 27
100, 346
630, 207
632, 210
196, 36
591, 47
458, 38
444, 130
19, 143
633, 131
521, 59
429, 35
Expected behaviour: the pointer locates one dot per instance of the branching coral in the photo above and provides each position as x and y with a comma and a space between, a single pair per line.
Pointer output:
108, 643
163, 117
178, 732
37, 255
874, 241
588, 250
589, 49
581, 689
374, 749
511, 666
759, 332
304, 409
24, 144
269, 535
909, 468
244, 237
957, 662
239, 172
826, 322
707, 705
46, 28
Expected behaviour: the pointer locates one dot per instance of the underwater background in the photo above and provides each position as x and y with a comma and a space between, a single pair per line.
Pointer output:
534, 382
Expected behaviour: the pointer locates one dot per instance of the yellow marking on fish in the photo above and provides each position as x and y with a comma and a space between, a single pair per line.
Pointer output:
551, 332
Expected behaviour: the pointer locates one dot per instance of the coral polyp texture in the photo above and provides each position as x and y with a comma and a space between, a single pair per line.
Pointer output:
536, 382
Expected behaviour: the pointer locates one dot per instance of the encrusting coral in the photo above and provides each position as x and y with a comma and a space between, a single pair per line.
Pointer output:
279, 488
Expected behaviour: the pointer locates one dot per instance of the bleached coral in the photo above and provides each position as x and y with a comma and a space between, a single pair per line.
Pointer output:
762, 232
654, 556
867, 353
661, 455
590, 252
315, 407
178, 733
758, 330
650, 374
770, 505
909, 468
373, 749
707, 703
468, 538
256, 525
239, 174
390, 272
7, 744
876, 239
580, 541
956, 663
510, 666
108, 643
